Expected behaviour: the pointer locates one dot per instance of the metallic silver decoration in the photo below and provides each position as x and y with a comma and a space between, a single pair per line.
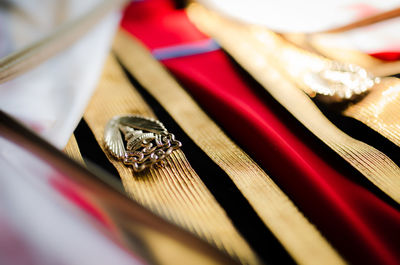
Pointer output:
340, 81
147, 141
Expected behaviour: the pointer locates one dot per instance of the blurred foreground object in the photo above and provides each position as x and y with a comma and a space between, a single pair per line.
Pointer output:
41, 210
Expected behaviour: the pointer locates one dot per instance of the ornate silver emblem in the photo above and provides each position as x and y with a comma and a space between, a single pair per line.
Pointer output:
340, 81
146, 141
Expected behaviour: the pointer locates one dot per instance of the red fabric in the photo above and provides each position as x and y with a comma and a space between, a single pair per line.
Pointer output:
387, 56
79, 197
74, 193
364, 229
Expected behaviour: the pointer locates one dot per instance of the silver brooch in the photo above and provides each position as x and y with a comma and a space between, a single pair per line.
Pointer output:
340, 81
146, 141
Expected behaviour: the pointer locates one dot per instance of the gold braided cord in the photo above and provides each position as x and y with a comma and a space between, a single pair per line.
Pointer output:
302, 240
240, 42
380, 109
72, 150
175, 192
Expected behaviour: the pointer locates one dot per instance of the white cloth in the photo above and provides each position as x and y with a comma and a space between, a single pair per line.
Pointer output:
310, 16
375, 38
51, 98
37, 224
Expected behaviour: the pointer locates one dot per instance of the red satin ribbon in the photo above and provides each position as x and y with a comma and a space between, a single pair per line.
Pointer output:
363, 228
386, 56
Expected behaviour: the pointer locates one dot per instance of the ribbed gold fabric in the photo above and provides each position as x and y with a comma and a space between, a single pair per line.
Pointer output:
238, 40
302, 240
72, 150
380, 110
175, 192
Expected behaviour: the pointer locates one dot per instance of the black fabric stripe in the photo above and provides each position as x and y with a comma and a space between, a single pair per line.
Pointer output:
244, 218
362, 132
90, 149
180, 4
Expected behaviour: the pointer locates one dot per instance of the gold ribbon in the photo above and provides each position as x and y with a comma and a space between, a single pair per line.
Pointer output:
380, 108
296, 234
175, 192
72, 150
239, 40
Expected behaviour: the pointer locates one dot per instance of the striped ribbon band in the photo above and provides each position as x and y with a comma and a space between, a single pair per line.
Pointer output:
175, 192
280, 215
238, 40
